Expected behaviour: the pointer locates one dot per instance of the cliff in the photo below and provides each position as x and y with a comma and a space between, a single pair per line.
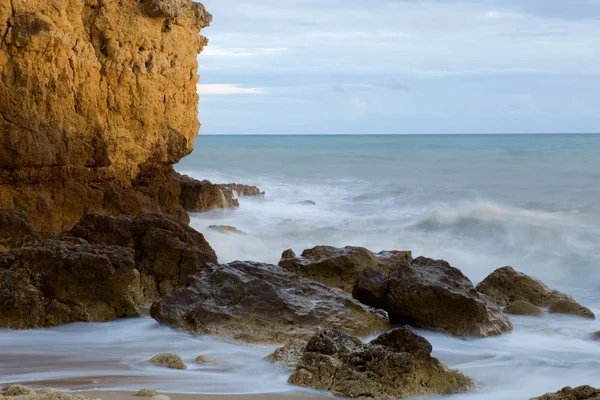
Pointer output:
97, 102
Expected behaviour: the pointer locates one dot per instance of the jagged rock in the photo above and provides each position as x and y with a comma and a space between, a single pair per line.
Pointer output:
16, 229
226, 229
371, 288
166, 250
107, 267
340, 267
93, 114
147, 393
569, 393
262, 303
395, 365
506, 285
240, 190
172, 361
288, 355
18, 390
202, 359
521, 307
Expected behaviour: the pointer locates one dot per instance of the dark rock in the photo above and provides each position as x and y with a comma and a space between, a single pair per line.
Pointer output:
16, 229
340, 267
521, 307
200, 196
432, 294
396, 365
569, 393
307, 203
371, 288
240, 190
262, 303
505, 285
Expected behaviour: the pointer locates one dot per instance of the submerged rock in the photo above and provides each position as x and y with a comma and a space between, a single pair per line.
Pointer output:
168, 360
226, 229
262, 303
339, 267
569, 393
397, 364
521, 307
94, 114
107, 267
506, 285
202, 359
288, 355
307, 203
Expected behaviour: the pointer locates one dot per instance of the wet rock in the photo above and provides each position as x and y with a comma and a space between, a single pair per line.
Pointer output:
339, 267
395, 365
307, 203
200, 196
240, 190
147, 393
92, 114
506, 285
431, 294
205, 360
262, 303
371, 288
569, 393
18, 390
166, 250
288, 355
107, 267
226, 229
169, 360
521, 307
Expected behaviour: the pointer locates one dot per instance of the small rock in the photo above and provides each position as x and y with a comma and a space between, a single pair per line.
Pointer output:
521, 307
18, 390
570, 306
225, 229
168, 360
569, 393
288, 355
147, 393
205, 360
307, 203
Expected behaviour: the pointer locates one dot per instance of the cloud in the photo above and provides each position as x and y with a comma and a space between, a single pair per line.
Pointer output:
226, 88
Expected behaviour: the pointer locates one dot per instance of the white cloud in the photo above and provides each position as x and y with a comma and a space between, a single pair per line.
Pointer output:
226, 88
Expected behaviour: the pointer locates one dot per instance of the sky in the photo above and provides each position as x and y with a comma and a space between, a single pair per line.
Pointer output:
401, 67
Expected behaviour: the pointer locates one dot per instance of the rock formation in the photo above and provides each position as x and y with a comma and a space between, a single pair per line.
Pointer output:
289, 355
339, 267
521, 307
108, 267
505, 285
569, 393
262, 303
97, 102
432, 294
397, 364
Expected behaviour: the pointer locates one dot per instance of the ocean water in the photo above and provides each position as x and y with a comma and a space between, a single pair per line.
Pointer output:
478, 201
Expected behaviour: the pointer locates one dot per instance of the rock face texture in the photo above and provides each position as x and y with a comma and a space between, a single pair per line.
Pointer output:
262, 303
506, 285
397, 364
340, 267
97, 102
569, 393
108, 267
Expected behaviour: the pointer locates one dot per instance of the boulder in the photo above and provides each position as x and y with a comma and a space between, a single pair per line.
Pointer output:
107, 267
93, 114
521, 307
147, 393
397, 364
506, 285
262, 303
339, 267
169, 360
288, 355
569, 393
202, 359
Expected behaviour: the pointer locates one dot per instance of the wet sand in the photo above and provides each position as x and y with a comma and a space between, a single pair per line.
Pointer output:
125, 395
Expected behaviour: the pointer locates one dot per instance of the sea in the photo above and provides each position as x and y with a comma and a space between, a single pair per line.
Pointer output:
478, 201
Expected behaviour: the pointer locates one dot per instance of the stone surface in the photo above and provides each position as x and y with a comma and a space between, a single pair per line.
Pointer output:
169, 360
431, 294
98, 100
288, 355
397, 364
339, 267
506, 285
107, 267
147, 393
521, 307
263, 303
569, 393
